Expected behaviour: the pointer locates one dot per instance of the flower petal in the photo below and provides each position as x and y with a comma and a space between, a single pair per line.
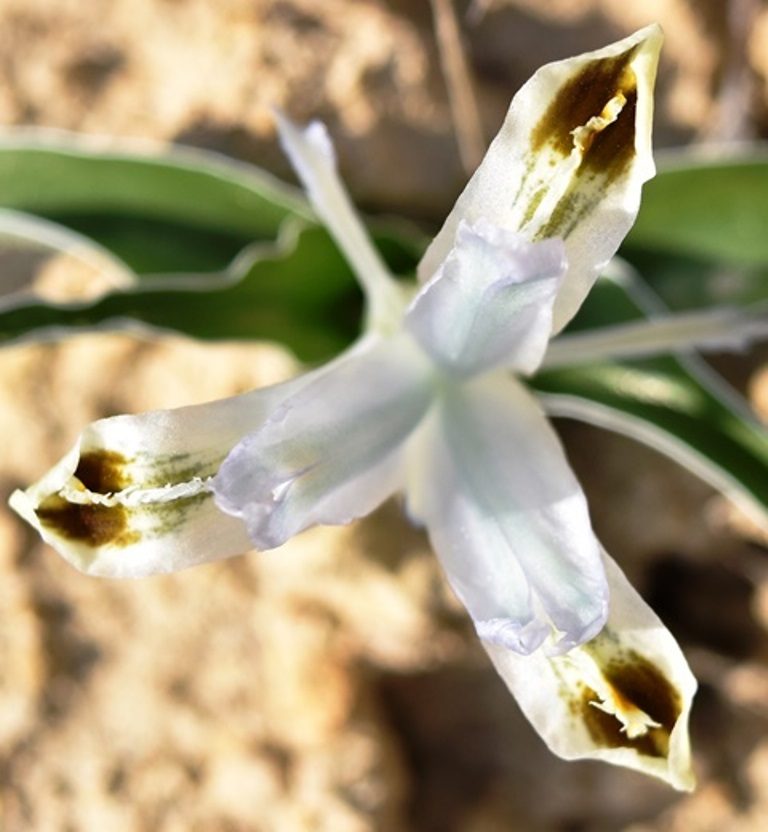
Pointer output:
332, 452
490, 302
134, 497
623, 697
569, 162
311, 153
507, 517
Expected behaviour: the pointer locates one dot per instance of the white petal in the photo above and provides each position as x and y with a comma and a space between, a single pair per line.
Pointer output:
490, 303
569, 161
332, 452
134, 496
311, 153
507, 517
624, 697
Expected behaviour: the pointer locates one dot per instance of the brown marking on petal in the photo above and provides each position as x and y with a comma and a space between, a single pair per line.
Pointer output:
594, 114
636, 683
582, 98
611, 150
92, 524
102, 472
606, 153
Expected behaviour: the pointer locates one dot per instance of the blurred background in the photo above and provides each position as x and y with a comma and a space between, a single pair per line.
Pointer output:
335, 684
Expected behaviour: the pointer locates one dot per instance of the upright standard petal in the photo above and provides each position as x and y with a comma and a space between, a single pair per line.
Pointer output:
507, 517
134, 496
624, 697
570, 161
490, 303
334, 451
311, 153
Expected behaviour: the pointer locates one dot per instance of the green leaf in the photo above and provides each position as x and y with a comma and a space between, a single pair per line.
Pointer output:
299, 292
200, 232
700, 237
29, 243
662, 403
674, 404
706, 210
686, 283
158, 209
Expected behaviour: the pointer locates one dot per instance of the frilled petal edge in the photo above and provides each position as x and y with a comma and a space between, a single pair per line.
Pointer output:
624, 697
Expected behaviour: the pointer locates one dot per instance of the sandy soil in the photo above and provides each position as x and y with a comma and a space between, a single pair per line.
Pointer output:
335, 684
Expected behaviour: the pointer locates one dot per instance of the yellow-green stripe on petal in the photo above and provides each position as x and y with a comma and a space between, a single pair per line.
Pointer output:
106, 521
134, 496
623, 697
569, 162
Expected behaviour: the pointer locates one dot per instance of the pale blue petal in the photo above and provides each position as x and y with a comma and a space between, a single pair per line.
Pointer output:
490, 303
507, 518
332, 452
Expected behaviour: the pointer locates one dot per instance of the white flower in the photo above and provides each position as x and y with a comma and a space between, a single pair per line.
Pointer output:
428, 403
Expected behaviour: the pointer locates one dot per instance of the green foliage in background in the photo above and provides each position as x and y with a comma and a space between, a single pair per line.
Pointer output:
218, 250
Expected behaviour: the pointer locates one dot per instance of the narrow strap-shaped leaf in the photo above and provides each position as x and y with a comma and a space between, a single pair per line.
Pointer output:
29, 243
711, 209
299, 292
700, 237
160, 209
662, 404
675, 404
49, 172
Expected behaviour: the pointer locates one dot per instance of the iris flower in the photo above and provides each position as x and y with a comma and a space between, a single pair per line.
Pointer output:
431, 403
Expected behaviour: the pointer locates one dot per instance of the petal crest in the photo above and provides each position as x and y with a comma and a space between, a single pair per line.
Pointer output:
507, 517
569, 162
332, 452
490, 302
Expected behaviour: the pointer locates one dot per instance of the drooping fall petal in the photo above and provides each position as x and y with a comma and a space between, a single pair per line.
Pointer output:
570, 161
624, 697
507, 517
133, 497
